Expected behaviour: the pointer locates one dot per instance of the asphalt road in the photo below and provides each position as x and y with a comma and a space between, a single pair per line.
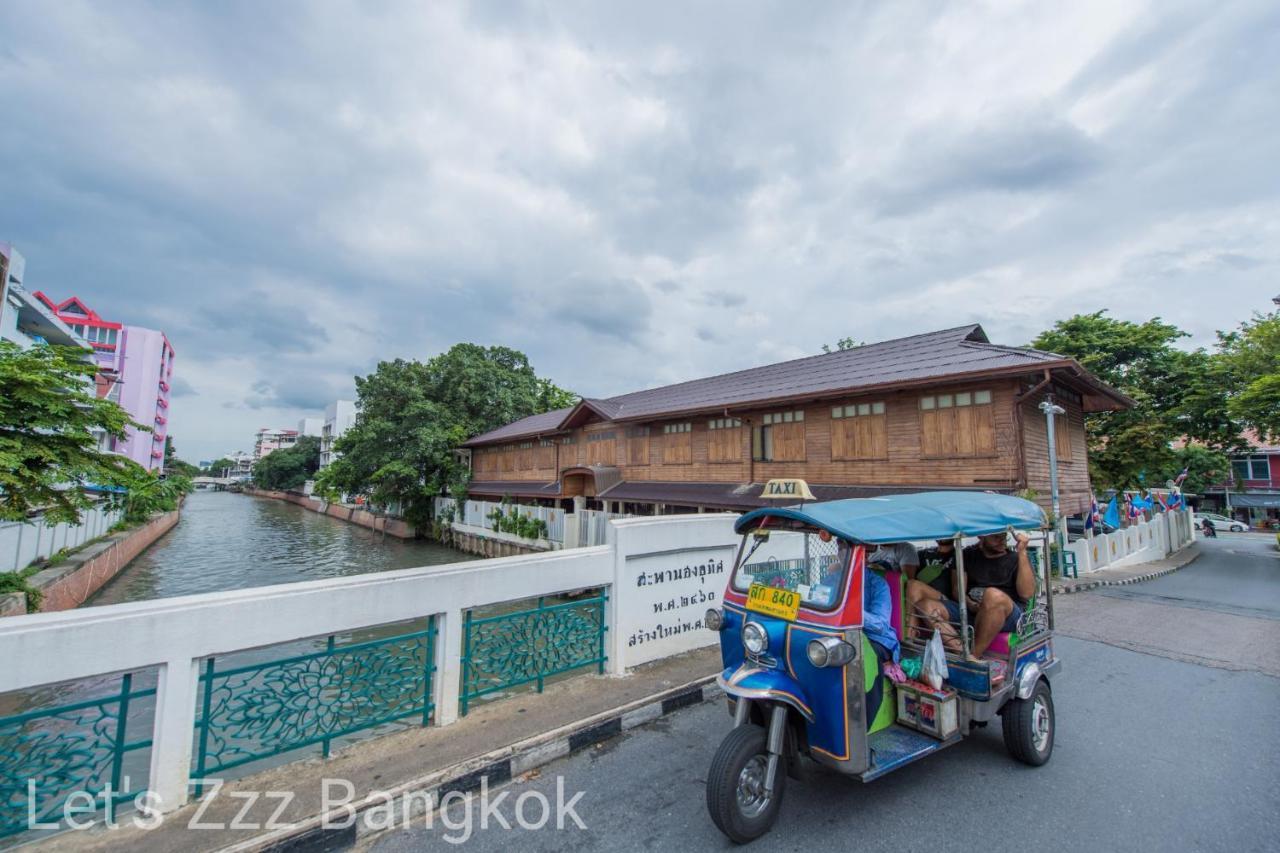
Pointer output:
1172, 747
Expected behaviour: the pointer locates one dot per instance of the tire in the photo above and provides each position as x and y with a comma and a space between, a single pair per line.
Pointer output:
1029, 726
1236, 528
740, 763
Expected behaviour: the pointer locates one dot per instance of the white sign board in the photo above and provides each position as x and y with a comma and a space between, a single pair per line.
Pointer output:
663, 592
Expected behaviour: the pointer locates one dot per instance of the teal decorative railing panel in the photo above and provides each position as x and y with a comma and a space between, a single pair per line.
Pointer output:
56, 751
264, 709
529, 646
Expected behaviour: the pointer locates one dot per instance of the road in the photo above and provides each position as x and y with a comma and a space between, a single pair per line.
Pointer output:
1168, 718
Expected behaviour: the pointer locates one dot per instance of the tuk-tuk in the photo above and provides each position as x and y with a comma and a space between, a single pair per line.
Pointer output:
803, 679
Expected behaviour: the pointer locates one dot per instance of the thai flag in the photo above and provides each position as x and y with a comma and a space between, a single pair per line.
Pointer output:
1092, 520
1178, 480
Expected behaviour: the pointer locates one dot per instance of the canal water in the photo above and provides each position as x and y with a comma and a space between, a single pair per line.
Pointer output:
229, 541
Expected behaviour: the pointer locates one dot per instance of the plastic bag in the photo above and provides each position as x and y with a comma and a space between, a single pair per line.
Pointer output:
934, 670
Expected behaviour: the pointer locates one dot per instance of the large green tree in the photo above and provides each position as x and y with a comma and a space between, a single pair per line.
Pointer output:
50, 420
1177, 393
413, 416
1250, 368
217, 466
290, 467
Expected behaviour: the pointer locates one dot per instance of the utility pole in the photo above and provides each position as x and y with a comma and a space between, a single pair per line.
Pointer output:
1050, 409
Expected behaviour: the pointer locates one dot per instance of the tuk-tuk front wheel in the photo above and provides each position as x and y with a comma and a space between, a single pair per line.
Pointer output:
740, 805
1029, 726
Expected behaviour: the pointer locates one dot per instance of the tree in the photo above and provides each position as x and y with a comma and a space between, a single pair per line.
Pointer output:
50, 419
1174, 391
218, 466
290, 467
1205, 466
414, 415
1250, 367
842, 345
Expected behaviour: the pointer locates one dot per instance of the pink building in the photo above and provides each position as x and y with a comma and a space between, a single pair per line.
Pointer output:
135, 370
267, 440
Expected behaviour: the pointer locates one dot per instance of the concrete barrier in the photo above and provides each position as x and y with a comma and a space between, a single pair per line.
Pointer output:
396, 527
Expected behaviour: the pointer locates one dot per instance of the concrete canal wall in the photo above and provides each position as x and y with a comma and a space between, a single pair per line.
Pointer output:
396, 527
71, 582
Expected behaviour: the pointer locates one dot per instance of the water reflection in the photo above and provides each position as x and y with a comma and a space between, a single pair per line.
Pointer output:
227, 541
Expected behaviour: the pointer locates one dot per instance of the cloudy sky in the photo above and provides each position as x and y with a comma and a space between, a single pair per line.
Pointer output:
632, 194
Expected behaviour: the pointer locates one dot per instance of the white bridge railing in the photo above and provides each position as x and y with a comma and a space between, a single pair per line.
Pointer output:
1144, 542
657, 577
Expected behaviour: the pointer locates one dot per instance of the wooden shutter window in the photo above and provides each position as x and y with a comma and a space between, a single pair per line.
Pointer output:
860, 431
957, 425
1062, 437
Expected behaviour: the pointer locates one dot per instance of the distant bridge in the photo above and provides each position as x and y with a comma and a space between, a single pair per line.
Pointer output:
215, 482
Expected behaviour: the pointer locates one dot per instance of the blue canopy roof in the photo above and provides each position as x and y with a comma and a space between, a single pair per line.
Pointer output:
898, 518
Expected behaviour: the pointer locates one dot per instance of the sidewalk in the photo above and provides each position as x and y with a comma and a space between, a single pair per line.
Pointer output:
498, 740
1128, 574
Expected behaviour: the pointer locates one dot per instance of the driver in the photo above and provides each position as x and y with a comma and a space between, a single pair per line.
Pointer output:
1000, 583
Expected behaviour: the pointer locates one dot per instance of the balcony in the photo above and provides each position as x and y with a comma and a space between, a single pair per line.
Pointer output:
164, 386
162, 402
161, 419
157, 436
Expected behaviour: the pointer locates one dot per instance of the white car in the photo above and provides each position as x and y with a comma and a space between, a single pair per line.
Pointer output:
1219, 522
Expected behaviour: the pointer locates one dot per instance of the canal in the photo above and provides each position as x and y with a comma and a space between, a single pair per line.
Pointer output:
229, 541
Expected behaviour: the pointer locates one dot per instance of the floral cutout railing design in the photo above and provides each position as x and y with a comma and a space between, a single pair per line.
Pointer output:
530, 646
79, 748
265, 709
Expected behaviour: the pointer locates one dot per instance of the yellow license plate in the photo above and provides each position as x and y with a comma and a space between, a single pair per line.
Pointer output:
772, 601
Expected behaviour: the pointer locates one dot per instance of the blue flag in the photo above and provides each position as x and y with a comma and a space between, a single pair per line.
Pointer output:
1112, 516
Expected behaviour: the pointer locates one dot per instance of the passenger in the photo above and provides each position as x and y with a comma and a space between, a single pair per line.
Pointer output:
896, 555
935, 580
877, 617
1000, 582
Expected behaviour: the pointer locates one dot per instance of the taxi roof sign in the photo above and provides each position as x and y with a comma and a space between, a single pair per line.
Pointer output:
775, 490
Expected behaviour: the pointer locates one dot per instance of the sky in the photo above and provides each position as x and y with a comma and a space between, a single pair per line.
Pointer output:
632, 194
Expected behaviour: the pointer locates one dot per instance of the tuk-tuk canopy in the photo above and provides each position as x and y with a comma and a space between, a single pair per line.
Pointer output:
898, 518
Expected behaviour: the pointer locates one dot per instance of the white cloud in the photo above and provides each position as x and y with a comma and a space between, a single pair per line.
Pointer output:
632, 195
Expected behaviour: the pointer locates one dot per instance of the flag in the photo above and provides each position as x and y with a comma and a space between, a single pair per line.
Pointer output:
1092, 518
1182, 476
1112, 516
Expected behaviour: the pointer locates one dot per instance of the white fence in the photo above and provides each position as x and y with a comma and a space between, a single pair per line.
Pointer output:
659, 574
1144, 542
22, 543
593, 526
478, 514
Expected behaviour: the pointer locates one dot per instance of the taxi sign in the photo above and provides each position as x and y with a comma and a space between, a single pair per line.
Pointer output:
787, 490
773, 601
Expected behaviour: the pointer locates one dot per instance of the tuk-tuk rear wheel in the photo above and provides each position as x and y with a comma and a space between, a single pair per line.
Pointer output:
1029, 726
736, 799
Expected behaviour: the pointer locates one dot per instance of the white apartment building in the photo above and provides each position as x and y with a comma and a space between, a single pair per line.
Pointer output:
338, 418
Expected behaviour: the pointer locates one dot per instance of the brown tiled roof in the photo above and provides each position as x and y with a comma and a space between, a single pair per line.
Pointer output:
949, 353
547, 422
743, 495
514, 488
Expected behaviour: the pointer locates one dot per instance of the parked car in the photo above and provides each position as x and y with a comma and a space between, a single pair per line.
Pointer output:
1219, 522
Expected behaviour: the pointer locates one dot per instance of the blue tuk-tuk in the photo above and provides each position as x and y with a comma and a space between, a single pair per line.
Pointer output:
802, 677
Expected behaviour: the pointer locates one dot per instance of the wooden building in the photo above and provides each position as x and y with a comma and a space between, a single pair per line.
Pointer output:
945, 409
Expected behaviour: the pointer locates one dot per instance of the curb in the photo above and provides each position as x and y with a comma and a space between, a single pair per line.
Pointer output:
341, 828
1090, 585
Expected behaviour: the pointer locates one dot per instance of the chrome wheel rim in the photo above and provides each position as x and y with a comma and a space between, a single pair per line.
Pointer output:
1040, 724
752, 796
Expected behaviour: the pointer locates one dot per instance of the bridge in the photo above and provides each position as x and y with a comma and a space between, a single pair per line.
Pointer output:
216, 482
155, 702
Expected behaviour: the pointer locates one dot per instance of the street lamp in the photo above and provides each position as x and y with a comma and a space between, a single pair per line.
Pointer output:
1050, 409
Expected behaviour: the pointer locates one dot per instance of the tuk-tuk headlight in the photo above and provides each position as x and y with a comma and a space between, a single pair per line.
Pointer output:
714, 619
829, 651
754, 638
